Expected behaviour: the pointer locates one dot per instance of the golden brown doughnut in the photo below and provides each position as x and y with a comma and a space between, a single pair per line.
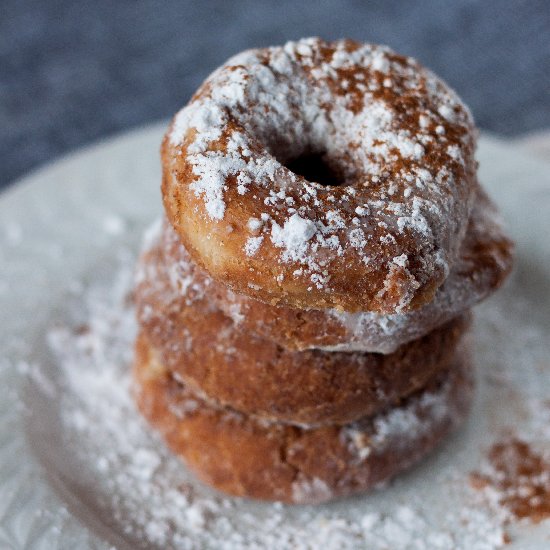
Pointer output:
323, 175
228, 366
249, 458
484, 262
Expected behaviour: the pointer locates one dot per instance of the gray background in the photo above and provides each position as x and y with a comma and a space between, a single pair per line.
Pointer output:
73, 71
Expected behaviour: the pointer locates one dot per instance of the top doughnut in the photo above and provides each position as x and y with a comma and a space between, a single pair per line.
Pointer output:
323, 175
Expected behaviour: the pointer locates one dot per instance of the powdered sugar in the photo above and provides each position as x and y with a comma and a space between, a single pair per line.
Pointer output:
293, 236
407, 424
400, 426
252, 245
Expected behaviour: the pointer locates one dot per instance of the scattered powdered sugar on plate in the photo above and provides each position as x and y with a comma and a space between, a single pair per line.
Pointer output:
514, 475
153, 501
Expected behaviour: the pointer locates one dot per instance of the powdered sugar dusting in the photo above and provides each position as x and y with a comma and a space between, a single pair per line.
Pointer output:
293, 236
402, 421
252, 245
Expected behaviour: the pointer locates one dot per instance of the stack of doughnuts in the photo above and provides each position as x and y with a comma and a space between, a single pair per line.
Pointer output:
302, 307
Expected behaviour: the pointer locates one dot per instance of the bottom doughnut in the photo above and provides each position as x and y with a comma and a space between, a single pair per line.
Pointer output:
248, 457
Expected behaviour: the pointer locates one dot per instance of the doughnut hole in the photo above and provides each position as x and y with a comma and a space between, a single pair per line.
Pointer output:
314, 167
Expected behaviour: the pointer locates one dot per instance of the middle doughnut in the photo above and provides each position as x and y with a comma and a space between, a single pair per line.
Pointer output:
256, 376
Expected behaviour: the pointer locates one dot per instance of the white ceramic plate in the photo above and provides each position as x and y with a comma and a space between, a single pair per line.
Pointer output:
69, 226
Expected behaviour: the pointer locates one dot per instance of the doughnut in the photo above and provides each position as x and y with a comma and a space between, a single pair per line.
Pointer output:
205, 350
484, 262
250, 458
323, 175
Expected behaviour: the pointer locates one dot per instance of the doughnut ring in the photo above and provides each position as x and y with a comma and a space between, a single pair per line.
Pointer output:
323, 175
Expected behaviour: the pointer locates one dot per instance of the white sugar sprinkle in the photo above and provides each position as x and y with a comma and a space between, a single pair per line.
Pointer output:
252, 245
293, 236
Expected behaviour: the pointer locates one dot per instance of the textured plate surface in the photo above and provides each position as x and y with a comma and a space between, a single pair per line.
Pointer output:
62, 226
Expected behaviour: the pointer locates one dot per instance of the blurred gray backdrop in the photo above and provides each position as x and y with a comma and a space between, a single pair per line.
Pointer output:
75, 71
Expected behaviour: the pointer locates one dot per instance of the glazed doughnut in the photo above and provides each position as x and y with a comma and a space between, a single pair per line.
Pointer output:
484, 262
245, 457
323, 175
225, 365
